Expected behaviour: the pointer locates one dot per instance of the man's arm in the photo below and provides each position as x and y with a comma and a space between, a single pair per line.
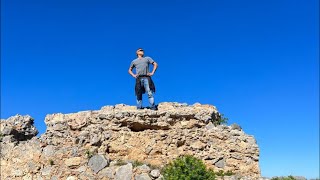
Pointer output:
155, 66
131, 73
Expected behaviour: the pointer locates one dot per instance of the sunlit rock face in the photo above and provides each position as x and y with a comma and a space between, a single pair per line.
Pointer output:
108, 143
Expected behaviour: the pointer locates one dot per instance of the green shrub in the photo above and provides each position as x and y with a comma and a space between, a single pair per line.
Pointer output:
283, 178
187, 168
220, 120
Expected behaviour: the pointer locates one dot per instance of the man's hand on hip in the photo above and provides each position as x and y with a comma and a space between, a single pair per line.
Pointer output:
150, 74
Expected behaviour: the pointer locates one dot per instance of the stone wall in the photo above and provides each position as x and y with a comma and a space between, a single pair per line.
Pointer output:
113, 142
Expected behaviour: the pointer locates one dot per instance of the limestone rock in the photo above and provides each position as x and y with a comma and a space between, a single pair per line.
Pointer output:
155, 173
235, 126
49, 150
124, 172
74, 161
71, 178
198, 145
107, 172
81, 145
220, 163
98, 162
143, 168
143, 176
20, 127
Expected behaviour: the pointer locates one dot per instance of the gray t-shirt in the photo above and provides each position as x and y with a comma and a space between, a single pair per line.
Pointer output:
141, 65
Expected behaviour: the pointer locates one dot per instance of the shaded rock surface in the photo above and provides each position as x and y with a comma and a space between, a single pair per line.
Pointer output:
106, 143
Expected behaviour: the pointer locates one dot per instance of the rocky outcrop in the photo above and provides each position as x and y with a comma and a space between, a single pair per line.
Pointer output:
121, 142
18, 128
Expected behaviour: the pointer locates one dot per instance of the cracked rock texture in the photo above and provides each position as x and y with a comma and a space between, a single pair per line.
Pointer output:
108, 143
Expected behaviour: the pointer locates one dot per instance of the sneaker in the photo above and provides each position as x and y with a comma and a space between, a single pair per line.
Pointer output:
154, 108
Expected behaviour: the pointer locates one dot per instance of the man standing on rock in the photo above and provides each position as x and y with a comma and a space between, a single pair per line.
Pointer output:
144, 82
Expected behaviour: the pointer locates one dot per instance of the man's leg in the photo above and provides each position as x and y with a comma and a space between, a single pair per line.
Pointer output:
150, 95
139, 102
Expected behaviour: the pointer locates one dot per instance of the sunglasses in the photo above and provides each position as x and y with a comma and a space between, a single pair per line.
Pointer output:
140, 50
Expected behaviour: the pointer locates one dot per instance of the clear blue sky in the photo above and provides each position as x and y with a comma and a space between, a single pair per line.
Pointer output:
256, 61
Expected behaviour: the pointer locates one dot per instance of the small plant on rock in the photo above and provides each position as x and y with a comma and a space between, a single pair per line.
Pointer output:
137, 163
51, 162
222, 173
89, 154
120, 162
228, 173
